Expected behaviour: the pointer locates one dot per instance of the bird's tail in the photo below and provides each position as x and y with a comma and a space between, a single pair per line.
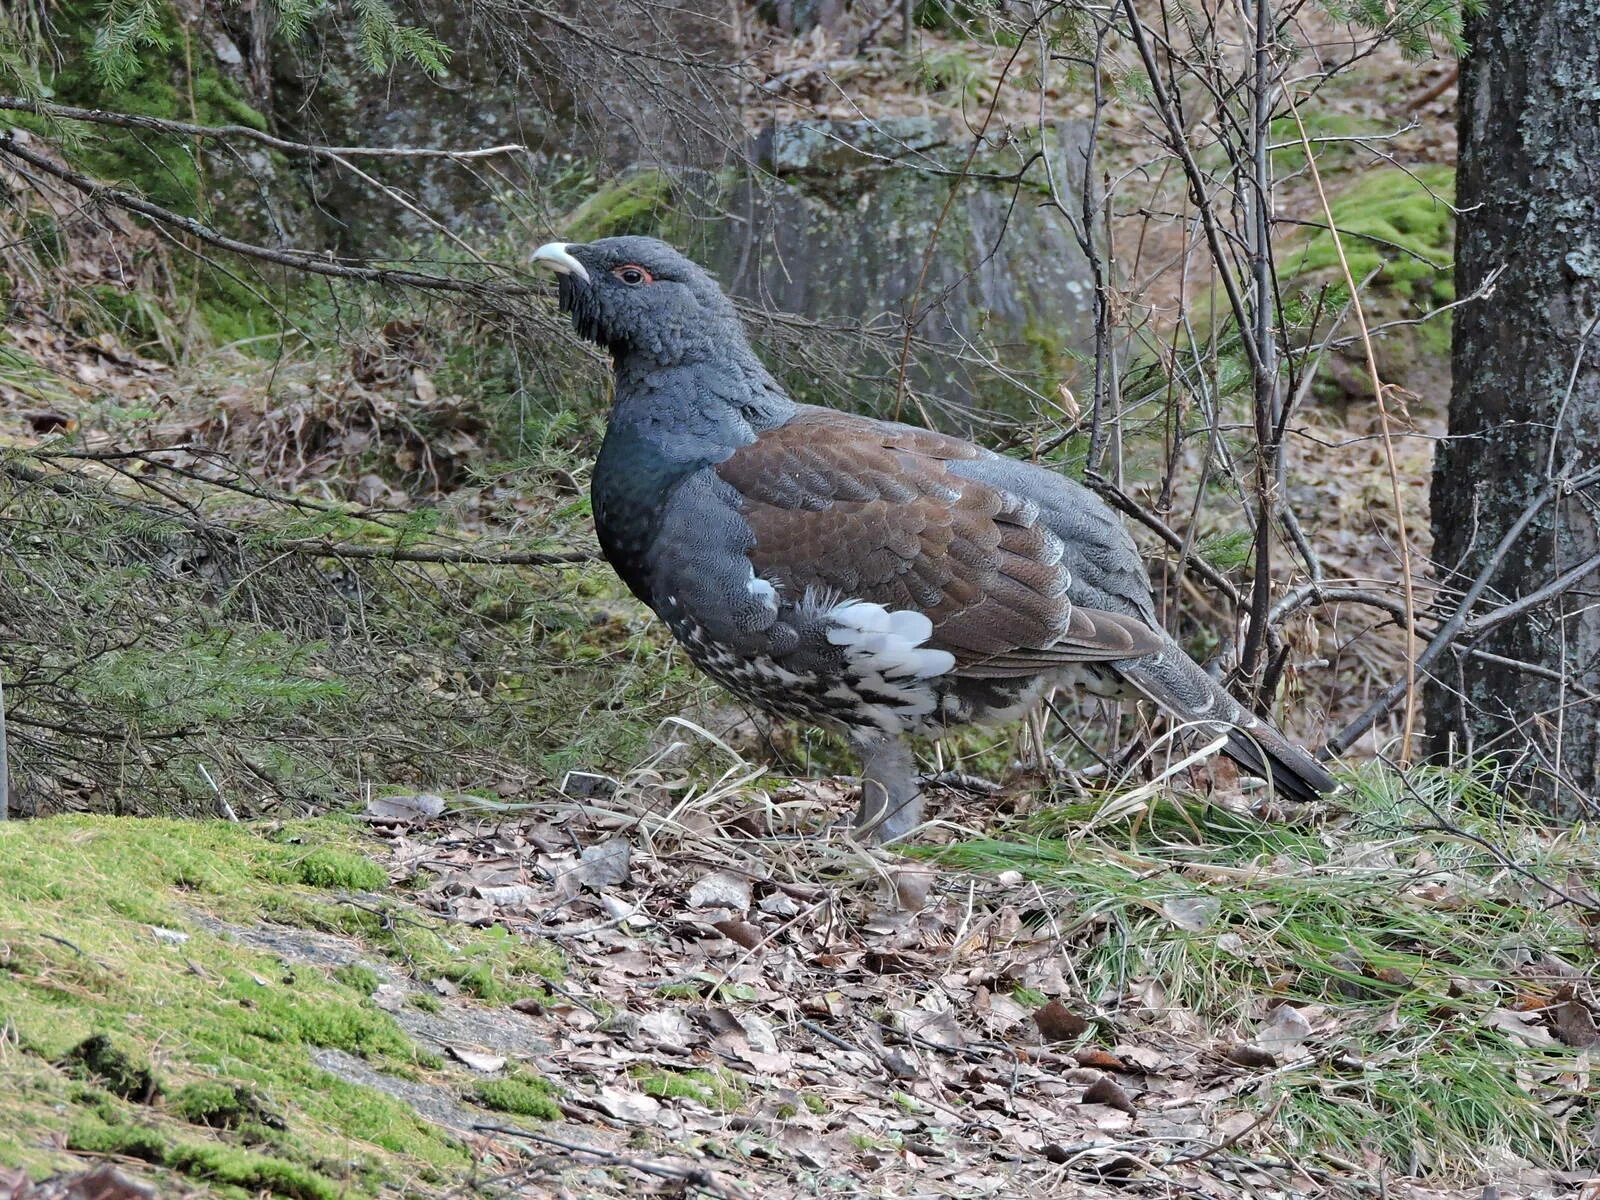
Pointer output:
1178, 684
1263, 751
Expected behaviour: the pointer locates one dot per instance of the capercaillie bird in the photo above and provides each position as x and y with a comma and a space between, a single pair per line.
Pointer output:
875, 578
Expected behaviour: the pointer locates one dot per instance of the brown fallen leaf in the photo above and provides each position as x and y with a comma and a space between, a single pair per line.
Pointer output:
1108, 1091
1243, 1054
605, 864
1574, 1024
940, 1027
102, 1183
1519, 1026
747, 935
1058, 1023
1098, 1057
911, 887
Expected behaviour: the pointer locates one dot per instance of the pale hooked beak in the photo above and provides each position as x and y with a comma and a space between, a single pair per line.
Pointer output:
554, 255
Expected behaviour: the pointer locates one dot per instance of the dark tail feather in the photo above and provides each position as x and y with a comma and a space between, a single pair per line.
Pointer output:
1179, 685
1292, 771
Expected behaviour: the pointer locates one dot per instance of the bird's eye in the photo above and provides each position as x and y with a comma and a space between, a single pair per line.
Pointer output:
633, 275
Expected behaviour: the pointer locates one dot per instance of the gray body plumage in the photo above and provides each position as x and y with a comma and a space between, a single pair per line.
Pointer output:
875, 578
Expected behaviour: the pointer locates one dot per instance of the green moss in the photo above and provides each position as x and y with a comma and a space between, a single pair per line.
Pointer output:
358, 978
1396, 222
236, 1023
330, 867
524, 1094
714, 1088
164, 169
640, 203
274, 1012
174, 76
121, 1069
209, 1163
223, 1105
94, 1136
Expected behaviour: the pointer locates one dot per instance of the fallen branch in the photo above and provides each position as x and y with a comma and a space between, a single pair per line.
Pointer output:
72, 485
121, 120
312, 262
509, 558
700, 1178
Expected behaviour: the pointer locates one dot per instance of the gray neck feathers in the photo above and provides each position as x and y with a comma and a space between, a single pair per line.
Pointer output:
701, 406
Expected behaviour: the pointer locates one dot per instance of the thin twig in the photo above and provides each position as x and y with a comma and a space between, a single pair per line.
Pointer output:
1126, 504
122, 120
507, 558
699, 1178
1459, 620
1392, 464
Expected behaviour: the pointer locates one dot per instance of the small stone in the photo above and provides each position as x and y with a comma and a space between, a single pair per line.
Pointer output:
720, 889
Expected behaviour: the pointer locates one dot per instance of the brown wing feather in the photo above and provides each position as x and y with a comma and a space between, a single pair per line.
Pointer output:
871, 511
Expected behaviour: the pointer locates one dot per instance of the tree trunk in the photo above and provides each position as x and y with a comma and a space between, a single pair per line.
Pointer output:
1526, 401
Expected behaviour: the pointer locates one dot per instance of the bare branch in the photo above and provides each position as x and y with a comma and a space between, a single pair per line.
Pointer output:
122, 120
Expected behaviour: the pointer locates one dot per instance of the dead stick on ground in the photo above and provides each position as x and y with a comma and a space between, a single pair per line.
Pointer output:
695, 1177
1233, 1139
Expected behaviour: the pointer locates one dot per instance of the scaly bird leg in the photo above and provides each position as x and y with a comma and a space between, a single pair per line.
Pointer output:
891, 804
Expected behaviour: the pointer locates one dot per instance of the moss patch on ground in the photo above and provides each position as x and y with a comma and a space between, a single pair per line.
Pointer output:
140, 1029
524, 1093
713, 1087
1397, 222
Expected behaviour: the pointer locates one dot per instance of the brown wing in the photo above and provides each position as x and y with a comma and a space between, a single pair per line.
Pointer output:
871, 511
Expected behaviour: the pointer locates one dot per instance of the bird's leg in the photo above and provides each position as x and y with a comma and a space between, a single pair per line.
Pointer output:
891, 805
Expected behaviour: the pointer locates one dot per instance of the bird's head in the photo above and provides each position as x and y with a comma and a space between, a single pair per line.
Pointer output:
639, 296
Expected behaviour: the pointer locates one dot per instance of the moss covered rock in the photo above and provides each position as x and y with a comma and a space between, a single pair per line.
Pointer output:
855, 222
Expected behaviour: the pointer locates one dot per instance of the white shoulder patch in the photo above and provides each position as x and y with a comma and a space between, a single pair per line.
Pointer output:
762, 591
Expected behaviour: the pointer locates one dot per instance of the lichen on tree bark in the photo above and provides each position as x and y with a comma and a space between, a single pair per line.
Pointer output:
1526, 400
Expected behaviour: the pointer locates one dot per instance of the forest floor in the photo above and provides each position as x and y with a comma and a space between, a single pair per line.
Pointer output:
632, 991
597, 967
